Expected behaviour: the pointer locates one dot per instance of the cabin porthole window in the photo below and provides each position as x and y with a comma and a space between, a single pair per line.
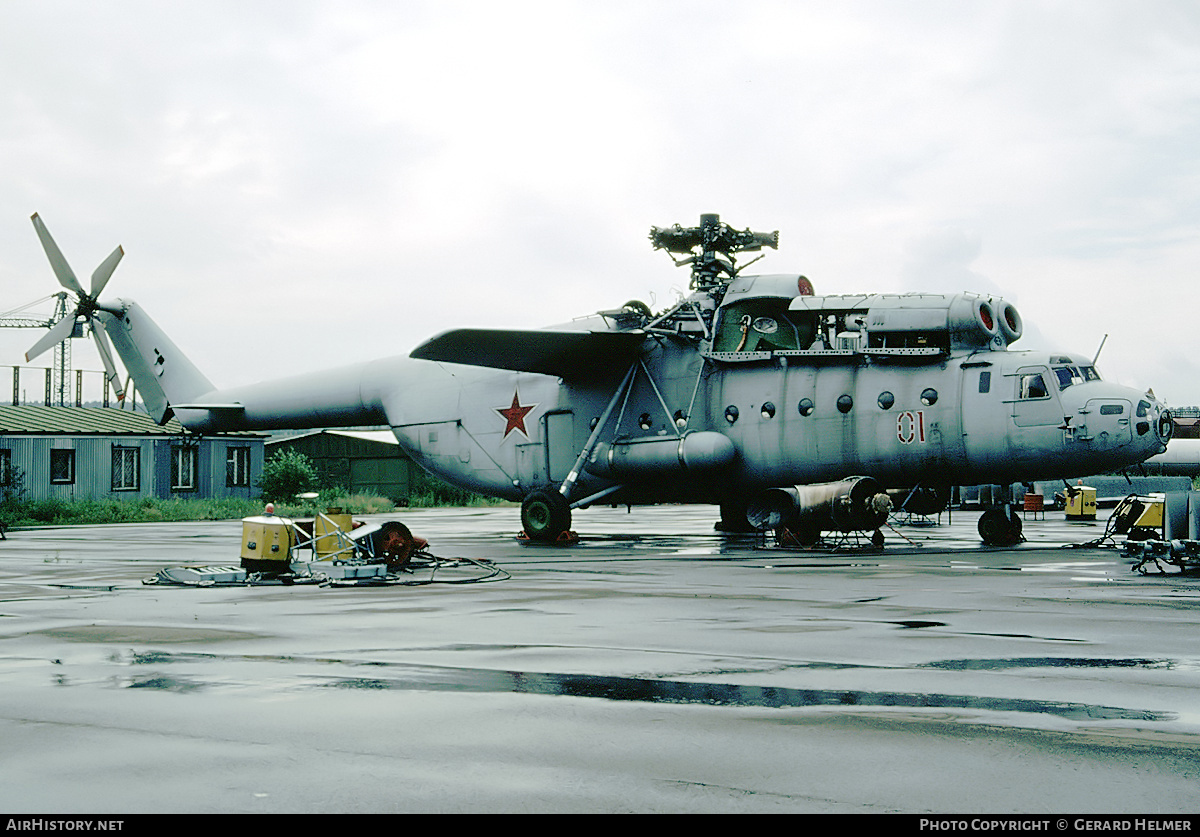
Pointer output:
929, 397
886, 400
805, 407
731, 414
644, 421
845, 404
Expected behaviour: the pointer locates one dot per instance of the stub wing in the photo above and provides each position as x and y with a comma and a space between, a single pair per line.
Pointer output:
567, 354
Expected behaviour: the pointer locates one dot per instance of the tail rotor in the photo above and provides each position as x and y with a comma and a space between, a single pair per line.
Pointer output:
86, 305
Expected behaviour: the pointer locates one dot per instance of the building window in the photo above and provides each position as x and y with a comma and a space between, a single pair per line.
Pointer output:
126, 468
183, 468
237, 467
6, 472
62, 466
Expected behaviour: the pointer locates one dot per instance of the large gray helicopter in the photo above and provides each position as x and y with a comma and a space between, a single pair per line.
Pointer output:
788, 410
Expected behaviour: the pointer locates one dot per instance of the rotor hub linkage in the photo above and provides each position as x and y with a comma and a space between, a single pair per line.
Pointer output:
710, 248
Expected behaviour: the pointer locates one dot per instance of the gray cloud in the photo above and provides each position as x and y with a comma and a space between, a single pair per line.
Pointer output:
313, 183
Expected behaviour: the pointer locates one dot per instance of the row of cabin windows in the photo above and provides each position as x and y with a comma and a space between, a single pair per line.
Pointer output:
126, 467
1030, 386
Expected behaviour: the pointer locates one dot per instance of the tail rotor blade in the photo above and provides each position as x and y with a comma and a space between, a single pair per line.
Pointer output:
105, 350
66, 276
60, 332
100, 275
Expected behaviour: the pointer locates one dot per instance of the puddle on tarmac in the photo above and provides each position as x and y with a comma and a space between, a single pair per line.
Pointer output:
1051, 662
406, 677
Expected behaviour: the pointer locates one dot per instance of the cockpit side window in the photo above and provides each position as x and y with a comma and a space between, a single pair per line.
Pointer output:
1033, 386
1068, 375
1071, 375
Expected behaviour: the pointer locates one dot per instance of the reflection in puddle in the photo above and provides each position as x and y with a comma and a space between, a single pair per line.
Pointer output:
166, 684
401, 676
1049, 662
645, 690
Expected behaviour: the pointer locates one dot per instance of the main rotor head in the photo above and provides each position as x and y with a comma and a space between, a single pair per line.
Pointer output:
711, 248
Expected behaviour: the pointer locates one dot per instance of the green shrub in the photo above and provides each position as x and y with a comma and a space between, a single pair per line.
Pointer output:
285, 475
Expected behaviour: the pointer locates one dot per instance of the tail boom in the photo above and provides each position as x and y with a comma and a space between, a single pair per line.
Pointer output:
171, 385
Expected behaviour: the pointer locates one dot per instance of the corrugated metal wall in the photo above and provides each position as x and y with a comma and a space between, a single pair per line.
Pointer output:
93, 476
357, 465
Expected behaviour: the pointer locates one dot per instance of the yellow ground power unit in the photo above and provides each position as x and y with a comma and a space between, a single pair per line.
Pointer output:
1152, 516
267, 543
1081, 503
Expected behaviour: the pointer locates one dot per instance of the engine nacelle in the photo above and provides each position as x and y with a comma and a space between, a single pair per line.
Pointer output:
967, 319
912, 321
853, 505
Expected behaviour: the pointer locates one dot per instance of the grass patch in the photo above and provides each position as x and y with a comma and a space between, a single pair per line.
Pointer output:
60, 512
350, 504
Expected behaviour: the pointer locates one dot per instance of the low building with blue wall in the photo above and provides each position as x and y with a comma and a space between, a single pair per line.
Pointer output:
105, 453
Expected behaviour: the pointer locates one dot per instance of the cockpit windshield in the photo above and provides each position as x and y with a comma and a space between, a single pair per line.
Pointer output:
1070, 375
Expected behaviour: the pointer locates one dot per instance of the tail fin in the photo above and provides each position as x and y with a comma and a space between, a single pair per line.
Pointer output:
163, 374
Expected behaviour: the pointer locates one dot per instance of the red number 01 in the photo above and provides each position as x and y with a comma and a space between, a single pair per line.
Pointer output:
910, 427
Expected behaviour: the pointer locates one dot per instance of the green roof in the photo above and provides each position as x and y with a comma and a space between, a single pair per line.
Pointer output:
102, 421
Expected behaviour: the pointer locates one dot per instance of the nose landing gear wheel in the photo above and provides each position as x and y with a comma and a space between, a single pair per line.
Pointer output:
545, 515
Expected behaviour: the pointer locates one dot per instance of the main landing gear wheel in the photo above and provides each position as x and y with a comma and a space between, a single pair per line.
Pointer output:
545, 515
1000, 527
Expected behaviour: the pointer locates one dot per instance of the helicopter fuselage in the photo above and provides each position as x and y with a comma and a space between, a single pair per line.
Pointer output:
750, 384
968, 417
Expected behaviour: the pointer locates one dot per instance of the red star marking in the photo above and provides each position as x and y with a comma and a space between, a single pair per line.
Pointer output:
515, 416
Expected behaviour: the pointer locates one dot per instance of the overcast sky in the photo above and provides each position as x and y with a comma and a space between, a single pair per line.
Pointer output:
299, 185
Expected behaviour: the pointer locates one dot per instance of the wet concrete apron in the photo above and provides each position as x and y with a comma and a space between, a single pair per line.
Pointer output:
655, 666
